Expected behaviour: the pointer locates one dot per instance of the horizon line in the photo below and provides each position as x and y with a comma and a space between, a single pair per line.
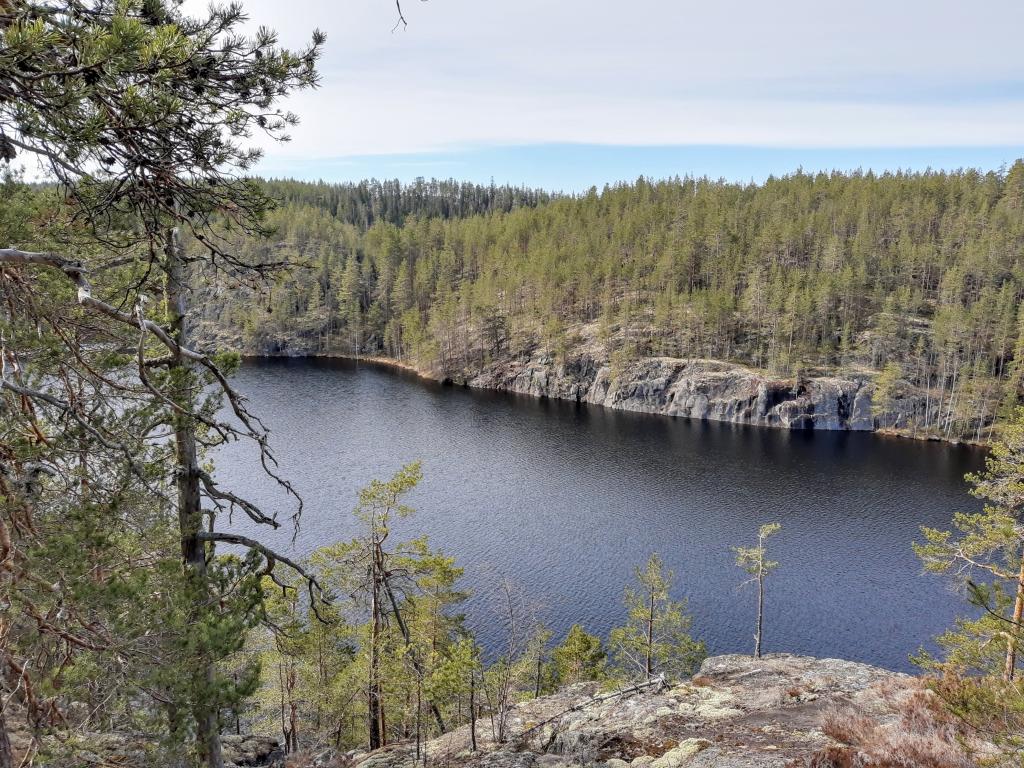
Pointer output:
576, 167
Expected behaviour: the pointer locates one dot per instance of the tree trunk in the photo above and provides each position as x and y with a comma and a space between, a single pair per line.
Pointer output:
6, 753
472, 711
540, 669
190, 514
293, 726
419, 713
1009, 672
404, 629
373, 692
760, 615
648, 667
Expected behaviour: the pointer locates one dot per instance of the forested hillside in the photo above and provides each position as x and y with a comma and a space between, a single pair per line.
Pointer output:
918, 277
368, 202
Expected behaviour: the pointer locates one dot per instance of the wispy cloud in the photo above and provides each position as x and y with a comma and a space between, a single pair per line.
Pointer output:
793, 73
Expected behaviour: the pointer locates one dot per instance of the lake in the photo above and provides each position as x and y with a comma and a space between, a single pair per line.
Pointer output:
565, 499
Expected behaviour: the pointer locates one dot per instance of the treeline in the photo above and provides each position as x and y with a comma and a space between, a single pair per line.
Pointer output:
367, 202
918, 273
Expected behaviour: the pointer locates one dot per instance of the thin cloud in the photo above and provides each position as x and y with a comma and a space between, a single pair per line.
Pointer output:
795, 73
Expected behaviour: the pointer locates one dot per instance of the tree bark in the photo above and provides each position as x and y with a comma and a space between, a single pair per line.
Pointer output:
190, 513
293, 727
760, 615
540, 669
1010, 670
419, 715
472, 710
373, 690
404, 629
650, 639
6, 753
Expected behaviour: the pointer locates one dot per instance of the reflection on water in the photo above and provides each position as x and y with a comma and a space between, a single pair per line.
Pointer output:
566, 499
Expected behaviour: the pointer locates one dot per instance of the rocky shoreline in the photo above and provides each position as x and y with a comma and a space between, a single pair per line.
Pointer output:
695, 388
698, 389
709, 390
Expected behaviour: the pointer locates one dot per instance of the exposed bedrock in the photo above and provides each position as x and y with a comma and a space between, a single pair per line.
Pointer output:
701, 389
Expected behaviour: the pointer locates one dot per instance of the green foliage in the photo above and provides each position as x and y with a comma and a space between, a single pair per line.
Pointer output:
985, 556
982, 656
141, 113
581, 656
393, 627
754, 560
381, 500
388, 201
656, 637
886, 389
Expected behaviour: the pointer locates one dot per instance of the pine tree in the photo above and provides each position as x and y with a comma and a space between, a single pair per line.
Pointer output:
405, 589
985, 556
655, 639
886, 389
754, 560
141, 114
581, 656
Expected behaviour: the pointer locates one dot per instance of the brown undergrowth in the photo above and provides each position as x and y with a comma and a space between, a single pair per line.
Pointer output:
920, 734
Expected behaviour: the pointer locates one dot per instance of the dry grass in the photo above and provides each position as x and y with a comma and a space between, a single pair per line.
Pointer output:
921, 735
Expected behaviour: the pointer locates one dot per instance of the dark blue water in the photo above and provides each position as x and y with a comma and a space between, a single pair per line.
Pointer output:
565, 500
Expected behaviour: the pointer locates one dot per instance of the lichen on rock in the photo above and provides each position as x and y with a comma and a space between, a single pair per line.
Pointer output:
736, 712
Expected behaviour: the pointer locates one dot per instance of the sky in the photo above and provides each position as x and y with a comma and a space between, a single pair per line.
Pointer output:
566, 94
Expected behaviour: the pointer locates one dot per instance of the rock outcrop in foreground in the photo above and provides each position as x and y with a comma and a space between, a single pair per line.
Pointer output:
737, 712
781, 711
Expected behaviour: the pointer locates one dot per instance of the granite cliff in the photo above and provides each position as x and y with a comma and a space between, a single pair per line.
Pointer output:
699, 389
693, 388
